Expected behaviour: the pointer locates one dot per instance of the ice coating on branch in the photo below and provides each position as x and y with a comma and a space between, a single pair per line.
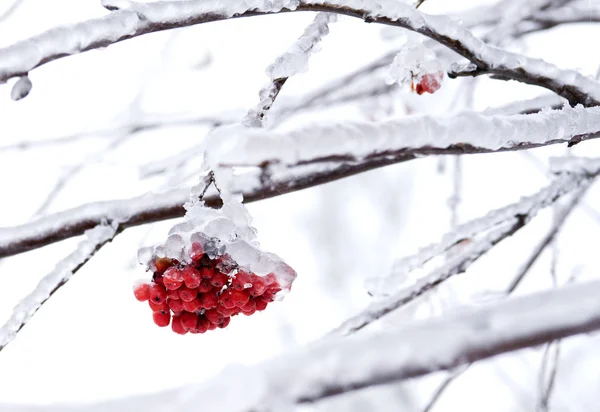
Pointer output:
61, 274
295, 59
528, 206
21, 88
234, 145
172, 11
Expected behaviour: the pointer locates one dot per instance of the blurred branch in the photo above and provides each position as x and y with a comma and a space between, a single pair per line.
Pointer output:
500, 223
557, 224
269, 179
330, 368
22, 313
140, 18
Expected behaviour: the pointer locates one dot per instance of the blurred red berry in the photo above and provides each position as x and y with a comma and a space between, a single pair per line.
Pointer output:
259, 285
177, 327
173, 294
161, 319
226, 299
172, 278
202, 324
241, 280
261, 304
224, 322
191, 277
205, 286
196, 252
191, 306
249, 306
207, 273
141, 291
219, 279
175, 305
186, 294
157, 293
209, 300
240, 297
213, 316
159, 307
189, 321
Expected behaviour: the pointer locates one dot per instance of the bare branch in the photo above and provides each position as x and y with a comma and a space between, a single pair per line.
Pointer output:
140, 19
61, 274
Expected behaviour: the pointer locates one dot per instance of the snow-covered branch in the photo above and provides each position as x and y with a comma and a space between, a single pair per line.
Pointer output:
343, 365
96, 238
316, 155
500, 223
292, 62
129, 19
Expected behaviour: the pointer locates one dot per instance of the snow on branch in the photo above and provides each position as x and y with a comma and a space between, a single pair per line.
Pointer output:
292, 62
22, 313
338, 152
356, 141
342, 365
502, 222
130, 19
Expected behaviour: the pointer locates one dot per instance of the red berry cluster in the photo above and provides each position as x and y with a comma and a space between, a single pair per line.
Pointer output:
199, 296
429, 83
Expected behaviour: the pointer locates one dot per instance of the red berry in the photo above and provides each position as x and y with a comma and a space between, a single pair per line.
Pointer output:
240, 297
261, 304
196, 252
207, 273
429, 83
241, 280
211, 326
248, 312
226, 311
189, 320
214, 316
162, 264
172, 278
191, 277
202, 324
219, 279
173, 294
187, 295
209, 300
162, 307
176, 305
268, 296
177, 327
249, 306
224, 322
205, 286
226, 299
157, 293
158, 279
259, 285
192, 305
141, 291
161, 319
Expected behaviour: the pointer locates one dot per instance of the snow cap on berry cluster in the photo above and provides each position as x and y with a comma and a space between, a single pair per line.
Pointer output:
414, 62
224, 233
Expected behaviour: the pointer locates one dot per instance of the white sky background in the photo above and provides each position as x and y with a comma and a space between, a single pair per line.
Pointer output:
93, 341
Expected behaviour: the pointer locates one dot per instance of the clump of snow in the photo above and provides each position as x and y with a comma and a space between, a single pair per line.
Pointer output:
413, 62
225, 234
21, 88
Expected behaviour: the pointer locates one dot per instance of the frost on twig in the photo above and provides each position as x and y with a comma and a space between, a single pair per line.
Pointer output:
292, 62
61, 274
500, 224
